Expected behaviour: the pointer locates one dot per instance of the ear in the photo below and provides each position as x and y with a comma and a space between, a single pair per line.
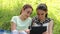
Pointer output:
46, 12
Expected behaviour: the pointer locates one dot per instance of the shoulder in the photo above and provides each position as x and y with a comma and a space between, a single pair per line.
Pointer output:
48, 20
51, 22
14, 19
14, 16
29, 18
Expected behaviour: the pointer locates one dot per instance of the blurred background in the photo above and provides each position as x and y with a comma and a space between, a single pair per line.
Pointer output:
9, 8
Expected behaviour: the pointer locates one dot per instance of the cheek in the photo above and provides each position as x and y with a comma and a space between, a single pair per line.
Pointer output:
25, 13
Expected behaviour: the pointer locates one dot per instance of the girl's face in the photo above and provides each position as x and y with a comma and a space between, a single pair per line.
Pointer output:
27, 12
41, 14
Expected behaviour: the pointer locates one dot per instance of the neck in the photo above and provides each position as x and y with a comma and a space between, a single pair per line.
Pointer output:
22, 17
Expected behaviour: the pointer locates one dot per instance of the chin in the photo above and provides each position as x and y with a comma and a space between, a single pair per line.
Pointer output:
40, 19
26, 17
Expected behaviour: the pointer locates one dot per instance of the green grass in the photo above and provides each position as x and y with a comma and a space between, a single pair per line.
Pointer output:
9, 8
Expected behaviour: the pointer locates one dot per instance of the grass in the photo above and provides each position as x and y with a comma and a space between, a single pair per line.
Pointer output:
9, 8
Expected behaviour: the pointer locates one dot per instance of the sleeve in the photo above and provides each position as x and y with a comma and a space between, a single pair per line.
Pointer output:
30, 22
13, 19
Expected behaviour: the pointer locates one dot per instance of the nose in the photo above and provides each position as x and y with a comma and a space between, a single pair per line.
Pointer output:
39, 16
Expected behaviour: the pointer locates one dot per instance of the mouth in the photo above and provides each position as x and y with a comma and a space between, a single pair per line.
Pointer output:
26, 17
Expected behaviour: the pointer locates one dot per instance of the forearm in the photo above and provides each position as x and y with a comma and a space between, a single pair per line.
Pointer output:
13, 26
28, 31
45, 32
51, 32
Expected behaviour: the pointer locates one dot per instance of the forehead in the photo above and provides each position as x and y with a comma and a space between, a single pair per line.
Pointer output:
40, 11
28, 9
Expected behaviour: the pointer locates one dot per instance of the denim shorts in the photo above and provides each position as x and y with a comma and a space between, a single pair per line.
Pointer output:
16, 32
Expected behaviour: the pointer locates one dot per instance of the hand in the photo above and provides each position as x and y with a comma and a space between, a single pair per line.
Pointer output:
28, 31
45, 32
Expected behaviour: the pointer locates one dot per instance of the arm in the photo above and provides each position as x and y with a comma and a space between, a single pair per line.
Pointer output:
13, 23
13, 26
50, 27
28, 31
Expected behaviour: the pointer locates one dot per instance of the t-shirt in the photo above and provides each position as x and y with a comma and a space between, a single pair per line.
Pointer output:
21, 25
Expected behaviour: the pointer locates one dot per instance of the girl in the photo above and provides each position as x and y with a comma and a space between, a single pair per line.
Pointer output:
20, 24
41, 24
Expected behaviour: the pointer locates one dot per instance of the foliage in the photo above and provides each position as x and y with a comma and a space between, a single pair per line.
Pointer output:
9, 8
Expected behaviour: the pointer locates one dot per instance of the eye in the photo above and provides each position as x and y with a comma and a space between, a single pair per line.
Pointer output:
42, 14
28, 12
38, 14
